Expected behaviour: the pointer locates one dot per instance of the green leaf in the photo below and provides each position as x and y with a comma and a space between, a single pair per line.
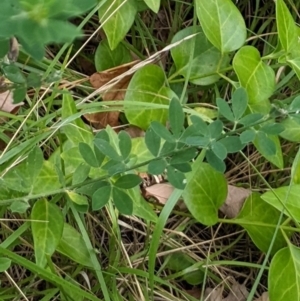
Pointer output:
200, 125
107, 149
222, 24
76, 131
78, 199
122, 201
102, 134
125, 144
291, 129
176, 117
162, 132
34, 80
88, 154
117, 18
205, 193
176, 178
284, 277
219, 150
14, 74
34, 163
295, 172
198, 141
147, 85
99, 155
19, 94
81, 173
295, 104
183, 167
251, 119
184, 156
128, 181
256, 77
256, 212
224, 109
157, 167
101, 197
196, 57
105, 58
4, 47
153, 4
152, 141
239, 103
215, 161
47, 228
247, 136
4, 262
272, 128
287, 30
265, 145
215, 129
90, 189
72, 245
289, 196
232, 144
141, 151
19, 206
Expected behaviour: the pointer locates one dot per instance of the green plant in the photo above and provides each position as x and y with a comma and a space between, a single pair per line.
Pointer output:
188, 146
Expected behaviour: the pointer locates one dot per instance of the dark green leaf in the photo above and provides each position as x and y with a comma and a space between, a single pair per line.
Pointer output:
184, 156
105, 58
251, 119
176, 116
232, 143
267, 146
224, 109
114, 167
14, 74
295, 105
90, 189
152, 141
34, 80
272, 128
215, 162
4, 262
198, 141
34, 163
215, 129
247, 136
183, 167
81, 173
162, 131
176, 178
122, 201
157, 167
128, 181
167, 148
124, 144
107, 149
219, 150
101, 197
189, 131
4, 47
99, 155
19, 94
88, 154
239, 102
102, 135
200, 125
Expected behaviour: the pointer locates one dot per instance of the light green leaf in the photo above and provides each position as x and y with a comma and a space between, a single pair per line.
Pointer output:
78, 199
222, 23
72, 159
256, 212
81, 173
263, 145
76, 131
295, 172
294, 62
147, 85
140, 149
286, 197
203, 64
105, 58
19, 206
256, 77
284, 275
287, 30
153, 4
72, 245
4, 264
117, 18
47, 228
205, 192
291, 129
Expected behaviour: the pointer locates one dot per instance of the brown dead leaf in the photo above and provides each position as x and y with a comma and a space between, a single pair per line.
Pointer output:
116, 92
235, 199
263, 297
194, 292
161, 192
238, 292
6, 104
135, 131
